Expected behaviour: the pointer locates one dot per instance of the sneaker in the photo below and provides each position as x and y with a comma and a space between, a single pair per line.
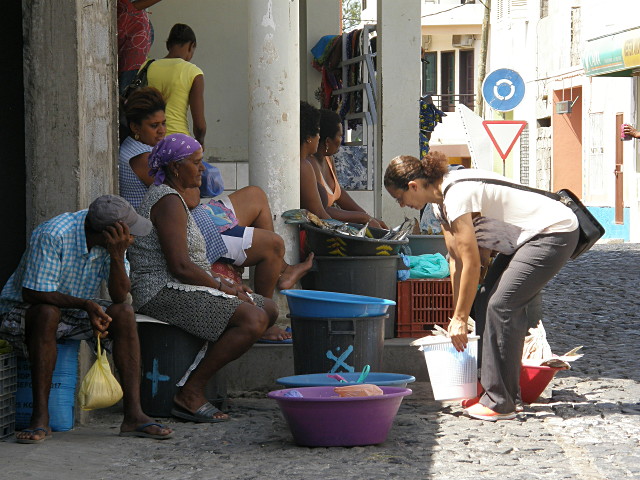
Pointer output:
481, 412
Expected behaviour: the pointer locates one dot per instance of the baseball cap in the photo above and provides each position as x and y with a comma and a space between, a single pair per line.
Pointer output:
106, 210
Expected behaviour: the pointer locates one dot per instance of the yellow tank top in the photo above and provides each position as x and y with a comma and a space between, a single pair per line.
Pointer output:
174, 77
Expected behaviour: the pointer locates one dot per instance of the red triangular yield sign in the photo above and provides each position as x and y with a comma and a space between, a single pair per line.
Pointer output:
504, 134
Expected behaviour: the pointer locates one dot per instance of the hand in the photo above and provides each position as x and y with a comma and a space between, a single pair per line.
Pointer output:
118, 239
629, 130
458, 332
100, 321
239, 291
374, 222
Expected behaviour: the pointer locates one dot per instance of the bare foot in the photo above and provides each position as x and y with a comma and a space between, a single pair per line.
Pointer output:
293, 273
275, 333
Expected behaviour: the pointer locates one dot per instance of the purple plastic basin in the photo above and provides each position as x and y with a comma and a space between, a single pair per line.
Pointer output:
320, 418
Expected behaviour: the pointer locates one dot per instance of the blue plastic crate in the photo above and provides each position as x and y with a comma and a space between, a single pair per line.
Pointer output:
7, 414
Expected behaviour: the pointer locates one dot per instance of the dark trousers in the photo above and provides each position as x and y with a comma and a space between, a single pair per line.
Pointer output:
512, 283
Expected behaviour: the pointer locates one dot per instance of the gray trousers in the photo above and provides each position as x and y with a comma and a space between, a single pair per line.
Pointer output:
512, 283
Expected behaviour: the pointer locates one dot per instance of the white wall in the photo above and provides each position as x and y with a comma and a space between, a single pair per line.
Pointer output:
222, 31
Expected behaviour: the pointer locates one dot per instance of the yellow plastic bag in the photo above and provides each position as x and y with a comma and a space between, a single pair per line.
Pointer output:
99, 388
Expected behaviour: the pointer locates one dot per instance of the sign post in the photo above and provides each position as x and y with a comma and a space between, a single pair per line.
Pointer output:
504, 134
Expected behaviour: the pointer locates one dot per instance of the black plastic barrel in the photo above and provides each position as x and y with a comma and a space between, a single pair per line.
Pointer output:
373, 276
332, 345
166, 353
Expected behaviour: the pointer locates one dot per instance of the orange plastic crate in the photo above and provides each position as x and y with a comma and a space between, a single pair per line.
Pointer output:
423, 303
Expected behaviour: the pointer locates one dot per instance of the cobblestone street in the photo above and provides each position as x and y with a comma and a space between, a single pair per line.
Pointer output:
586, 427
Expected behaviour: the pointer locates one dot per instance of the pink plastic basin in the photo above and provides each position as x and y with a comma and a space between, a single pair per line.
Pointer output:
323, 419
533, 381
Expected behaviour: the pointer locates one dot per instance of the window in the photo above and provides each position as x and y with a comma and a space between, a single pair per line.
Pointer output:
429, 72
447, 81
465, 79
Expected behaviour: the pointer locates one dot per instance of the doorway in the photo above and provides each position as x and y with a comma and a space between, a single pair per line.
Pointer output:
566, 162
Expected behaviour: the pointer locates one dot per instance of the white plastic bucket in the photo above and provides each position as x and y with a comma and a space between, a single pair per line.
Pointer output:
453, 375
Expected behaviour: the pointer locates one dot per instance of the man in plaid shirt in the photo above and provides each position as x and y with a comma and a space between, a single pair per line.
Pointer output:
54, 294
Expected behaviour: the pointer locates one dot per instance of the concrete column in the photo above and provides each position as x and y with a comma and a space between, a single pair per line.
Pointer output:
398, 74
70, 105
274, 119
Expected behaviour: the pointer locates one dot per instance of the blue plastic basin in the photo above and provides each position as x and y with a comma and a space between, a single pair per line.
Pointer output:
322, 380
317, 303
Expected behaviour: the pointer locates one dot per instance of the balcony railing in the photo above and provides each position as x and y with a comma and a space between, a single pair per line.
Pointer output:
447, 102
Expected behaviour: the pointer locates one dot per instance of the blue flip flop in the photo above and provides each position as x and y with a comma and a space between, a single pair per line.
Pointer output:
281, 342
139, 432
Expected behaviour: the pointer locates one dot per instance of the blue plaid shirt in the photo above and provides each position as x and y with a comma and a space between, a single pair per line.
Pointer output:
57, 260
131, 187
215, 245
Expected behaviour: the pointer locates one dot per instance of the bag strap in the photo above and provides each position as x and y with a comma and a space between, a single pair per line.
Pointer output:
504, 183
143, 72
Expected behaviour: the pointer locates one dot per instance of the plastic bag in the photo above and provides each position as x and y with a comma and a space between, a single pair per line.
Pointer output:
429, 265
362, 390
99, 388
212, 184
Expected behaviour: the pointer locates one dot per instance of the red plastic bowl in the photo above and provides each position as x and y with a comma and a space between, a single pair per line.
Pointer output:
533, 381
321, 418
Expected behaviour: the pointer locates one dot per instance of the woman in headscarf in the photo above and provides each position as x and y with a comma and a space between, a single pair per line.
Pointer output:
245, 238
171, 279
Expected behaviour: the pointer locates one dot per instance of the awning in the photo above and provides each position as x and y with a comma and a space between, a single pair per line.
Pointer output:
615, 55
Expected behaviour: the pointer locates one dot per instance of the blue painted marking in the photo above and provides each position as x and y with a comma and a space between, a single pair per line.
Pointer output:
340, 361
156, 377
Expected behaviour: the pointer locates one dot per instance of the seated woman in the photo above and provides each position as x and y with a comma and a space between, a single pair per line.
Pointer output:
251, 242
320, 192
171, 281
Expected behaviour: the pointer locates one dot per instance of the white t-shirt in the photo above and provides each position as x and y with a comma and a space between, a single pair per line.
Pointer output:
532, 212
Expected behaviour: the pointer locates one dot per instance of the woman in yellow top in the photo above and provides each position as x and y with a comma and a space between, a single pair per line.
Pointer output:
181, 83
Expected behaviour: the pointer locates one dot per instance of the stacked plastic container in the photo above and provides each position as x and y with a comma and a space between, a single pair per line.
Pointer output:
8, 385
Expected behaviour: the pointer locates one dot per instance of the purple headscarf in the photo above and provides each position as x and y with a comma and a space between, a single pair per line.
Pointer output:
171, 148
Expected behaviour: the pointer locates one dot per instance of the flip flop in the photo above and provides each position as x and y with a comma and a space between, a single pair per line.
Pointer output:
47, 435
205, 414
281, 342
139, 432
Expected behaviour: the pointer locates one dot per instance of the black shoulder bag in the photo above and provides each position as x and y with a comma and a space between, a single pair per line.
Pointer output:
140, 80
590, 229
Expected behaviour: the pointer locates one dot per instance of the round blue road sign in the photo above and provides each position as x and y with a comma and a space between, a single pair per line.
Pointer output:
503, 89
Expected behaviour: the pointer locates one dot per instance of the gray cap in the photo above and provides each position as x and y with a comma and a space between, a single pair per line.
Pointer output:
106, 210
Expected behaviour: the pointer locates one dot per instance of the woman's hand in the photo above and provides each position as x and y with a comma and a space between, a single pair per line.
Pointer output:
458, 332
374, 222
240, 291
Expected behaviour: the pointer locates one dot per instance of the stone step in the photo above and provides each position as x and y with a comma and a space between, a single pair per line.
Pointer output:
259, 368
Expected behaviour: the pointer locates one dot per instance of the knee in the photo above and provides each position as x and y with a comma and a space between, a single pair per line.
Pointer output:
271, 309
122, 316
257, 194
256, 322
42, 319
277, 244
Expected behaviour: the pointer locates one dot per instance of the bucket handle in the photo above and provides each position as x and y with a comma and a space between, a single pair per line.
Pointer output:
342, 332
